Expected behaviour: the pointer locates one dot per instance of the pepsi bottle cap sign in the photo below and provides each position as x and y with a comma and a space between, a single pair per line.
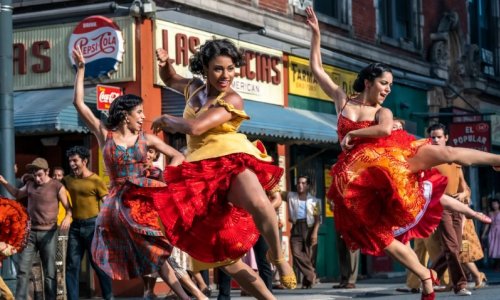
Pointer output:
102, 45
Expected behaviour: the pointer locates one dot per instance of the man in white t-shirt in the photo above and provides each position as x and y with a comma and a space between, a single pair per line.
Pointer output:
304, 211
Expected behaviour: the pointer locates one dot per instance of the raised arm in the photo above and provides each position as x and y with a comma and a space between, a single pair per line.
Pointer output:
167, 72
333, 90
92, 122
176, 158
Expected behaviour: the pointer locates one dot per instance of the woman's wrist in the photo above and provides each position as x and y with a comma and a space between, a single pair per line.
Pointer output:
81, 65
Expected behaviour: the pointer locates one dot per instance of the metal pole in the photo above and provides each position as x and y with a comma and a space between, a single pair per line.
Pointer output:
6, 96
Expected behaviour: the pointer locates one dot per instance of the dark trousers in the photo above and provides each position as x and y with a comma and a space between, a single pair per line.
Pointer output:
451, 238
224, 285
80, 238
265, 272
301, 250
44, 241
348, 262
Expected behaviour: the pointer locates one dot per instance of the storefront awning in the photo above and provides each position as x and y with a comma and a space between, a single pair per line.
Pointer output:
289, 125
48, 111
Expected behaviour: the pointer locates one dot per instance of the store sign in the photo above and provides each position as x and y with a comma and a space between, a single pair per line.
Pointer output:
260, 79
106, 95
301, 80
40, 56
475, 135
101, 42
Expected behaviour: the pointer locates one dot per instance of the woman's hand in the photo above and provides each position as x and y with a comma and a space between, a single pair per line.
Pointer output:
311, 20
162, 57
163, 123
78, 57
346, 143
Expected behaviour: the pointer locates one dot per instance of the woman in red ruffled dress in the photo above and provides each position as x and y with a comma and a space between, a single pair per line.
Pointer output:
127, 242
15, 227
377, 186
214, 204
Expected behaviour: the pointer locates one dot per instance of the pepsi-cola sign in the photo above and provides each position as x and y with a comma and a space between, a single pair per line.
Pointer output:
101, 42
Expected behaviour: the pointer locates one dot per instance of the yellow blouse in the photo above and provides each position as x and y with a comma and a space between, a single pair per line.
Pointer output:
221, 140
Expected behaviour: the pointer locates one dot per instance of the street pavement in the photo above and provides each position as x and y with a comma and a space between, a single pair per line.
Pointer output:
372, 288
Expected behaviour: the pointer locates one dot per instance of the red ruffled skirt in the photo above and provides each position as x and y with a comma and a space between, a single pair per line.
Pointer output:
375, 194
195, 212
14, 223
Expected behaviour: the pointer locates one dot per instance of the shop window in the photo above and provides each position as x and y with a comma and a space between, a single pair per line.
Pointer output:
399, 23
482, 34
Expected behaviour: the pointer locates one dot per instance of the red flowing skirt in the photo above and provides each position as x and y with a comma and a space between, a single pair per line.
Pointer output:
375, 194
14, 224
193, 207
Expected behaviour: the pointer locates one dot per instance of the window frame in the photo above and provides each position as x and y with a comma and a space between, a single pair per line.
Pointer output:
337, 22
412, 44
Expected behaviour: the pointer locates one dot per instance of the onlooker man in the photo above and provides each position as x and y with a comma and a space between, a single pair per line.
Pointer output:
304, 212
451, 222
44, 195
87, 190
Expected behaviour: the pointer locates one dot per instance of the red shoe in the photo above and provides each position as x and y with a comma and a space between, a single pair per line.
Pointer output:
434, 281
496, 168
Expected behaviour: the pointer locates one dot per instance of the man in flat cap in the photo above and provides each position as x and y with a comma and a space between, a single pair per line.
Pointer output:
44, 194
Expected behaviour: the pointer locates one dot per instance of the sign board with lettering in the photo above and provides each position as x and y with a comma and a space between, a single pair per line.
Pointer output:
40, 56
475, 135
106, 94
101, 42
260, 79
301, 80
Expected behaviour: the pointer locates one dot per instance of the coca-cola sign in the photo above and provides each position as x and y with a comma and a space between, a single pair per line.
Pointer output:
106, 94
101, 42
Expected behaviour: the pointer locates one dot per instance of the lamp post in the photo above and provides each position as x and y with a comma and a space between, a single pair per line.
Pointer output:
6, 95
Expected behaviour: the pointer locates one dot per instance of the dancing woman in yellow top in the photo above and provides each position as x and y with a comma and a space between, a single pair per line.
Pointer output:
214, 204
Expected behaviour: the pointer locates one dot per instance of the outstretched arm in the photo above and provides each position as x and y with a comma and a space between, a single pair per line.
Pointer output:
167, 72
17, 193
325, 82
176, 158
209, 119
93, 123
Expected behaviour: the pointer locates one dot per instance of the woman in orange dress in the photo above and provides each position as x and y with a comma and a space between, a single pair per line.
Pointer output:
377, 185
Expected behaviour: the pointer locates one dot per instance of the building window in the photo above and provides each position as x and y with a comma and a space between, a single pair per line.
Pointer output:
482, 34
399, 23
334, 12
333, 9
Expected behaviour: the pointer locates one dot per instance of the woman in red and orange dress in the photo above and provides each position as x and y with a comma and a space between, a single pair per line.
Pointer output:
15, 227
377, 185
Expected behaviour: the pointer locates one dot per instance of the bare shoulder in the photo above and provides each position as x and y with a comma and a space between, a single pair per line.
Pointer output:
234, 99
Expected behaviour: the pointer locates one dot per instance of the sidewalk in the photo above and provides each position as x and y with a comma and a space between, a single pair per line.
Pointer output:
371, 288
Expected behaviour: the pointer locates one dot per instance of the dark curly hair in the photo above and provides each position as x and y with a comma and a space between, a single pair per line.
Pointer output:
119, 109
212, 49
81, 151
437, 126
369, 72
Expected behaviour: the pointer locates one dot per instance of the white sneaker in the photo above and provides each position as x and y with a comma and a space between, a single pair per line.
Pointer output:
463, 292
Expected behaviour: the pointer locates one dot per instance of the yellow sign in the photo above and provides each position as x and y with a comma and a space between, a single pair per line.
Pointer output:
328, 183
302, 82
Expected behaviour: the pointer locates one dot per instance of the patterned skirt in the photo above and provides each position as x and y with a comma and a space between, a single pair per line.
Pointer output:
196, 215
15, 226
128, 242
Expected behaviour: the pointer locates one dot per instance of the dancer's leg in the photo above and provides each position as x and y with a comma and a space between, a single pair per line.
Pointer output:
249, 280
246, 192
453, 204
168, 275
187, 283
429, 156
407, 257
